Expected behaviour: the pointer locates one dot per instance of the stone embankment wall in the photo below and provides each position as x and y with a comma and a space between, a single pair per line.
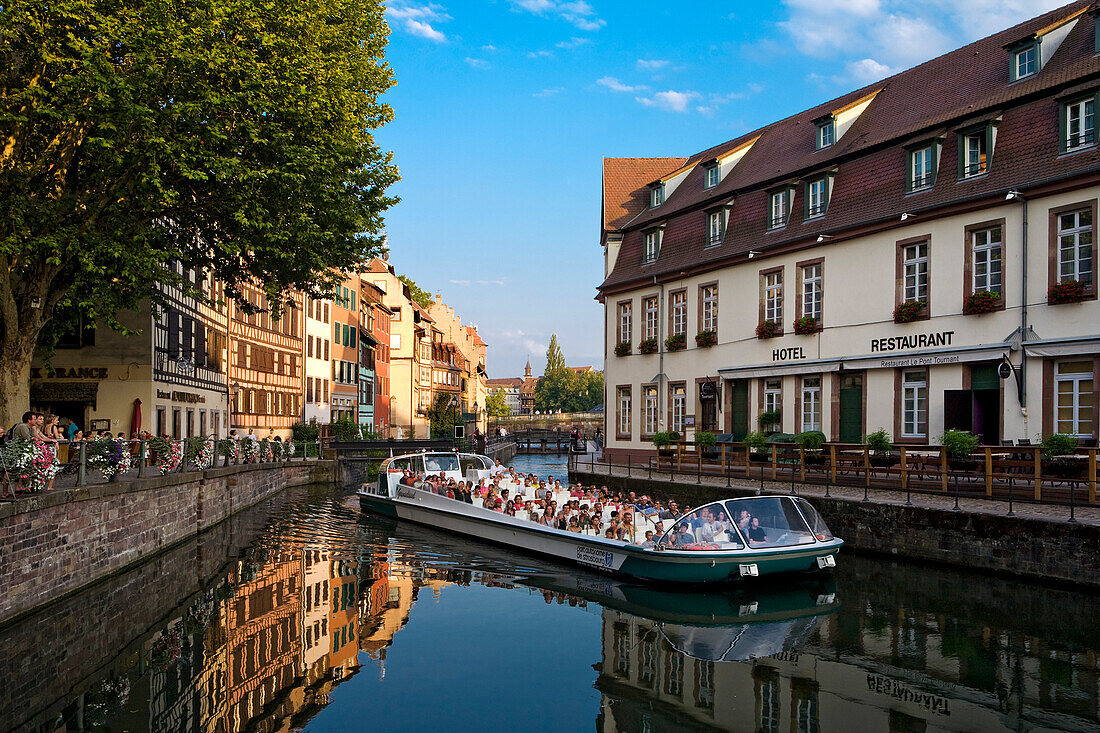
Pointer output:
58, 542
1026, 546
588, 421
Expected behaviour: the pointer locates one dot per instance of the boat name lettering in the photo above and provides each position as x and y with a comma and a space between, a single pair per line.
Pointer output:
405, 492
601, 586
592, 556
898, 691
788, 354
916, 341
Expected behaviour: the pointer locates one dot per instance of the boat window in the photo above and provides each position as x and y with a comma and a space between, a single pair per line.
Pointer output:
436, 462
396, 464
707, 528
817, 524
771, 521
473, 462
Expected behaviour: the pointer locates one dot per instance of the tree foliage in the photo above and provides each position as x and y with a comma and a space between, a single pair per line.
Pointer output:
421, 297
443, 416
562, 388
141, 141
496, 405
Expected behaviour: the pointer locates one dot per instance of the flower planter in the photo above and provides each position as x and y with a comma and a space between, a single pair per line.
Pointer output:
703, 339
676, 342
806, 325
649, 346
910, 311
1067, 291
767, 330
622, 348
982, 301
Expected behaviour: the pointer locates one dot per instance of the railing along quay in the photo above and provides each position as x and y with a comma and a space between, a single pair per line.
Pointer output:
1003, 473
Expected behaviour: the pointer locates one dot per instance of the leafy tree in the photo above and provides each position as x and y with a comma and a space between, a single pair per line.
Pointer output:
496, 405
231, 137
421, 297
555, 360
442, 417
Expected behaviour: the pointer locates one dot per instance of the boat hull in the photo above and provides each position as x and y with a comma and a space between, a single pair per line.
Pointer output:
668, 566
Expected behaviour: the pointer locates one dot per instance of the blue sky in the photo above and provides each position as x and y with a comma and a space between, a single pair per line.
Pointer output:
506, 108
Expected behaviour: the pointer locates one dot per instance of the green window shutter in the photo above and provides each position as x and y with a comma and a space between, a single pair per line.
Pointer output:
935, 150
806, 200
353, 338
336, 331
1063, 131
962, 154
908, 170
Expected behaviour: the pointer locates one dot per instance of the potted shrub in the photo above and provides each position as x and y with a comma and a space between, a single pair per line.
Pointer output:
758, 446
622, 348
1055, 448
705, 441
805, 325
811, 443
983, 301
769, 421
909, 311
767, 329
880, 449
703, 339
1067, 291
960, 446
649, 346
676, 341
664, 440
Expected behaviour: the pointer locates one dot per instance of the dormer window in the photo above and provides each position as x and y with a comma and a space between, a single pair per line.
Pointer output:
817, 197
711, 176
779, 208
651, 246
1025, 61
826, 133
1078, 124
716, 227
656, 195
923, 161
976, 151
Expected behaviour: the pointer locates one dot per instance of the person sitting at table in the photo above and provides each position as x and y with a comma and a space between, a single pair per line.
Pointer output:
755, 532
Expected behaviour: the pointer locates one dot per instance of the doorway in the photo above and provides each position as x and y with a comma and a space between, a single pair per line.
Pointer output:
851, 408
978, 409
739, 409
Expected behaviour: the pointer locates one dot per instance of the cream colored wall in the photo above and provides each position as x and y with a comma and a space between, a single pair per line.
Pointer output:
859, 283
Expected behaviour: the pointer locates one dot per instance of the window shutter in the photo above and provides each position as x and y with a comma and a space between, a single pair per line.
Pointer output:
188, 335
1063, 130
962, 154
200, 345
173, 334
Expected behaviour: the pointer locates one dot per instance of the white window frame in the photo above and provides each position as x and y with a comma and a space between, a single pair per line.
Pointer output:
656, 196
823, 140
973, 165
1080, 415
651, 309
679, 408
1084, 121
987, 259
813, 294
679, 313
708, 316
922, 170
1025, 62
713, 176
651, 246
773, 395
915, 272
650, 397
1075, 260
773, 296
914, 400
626, 321
624, 410
811, 403
716, 229
817, 200
779, 209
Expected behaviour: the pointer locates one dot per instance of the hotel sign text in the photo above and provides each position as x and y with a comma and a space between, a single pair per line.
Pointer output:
917, 341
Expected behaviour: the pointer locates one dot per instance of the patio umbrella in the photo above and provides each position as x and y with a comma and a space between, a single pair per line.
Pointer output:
135, 418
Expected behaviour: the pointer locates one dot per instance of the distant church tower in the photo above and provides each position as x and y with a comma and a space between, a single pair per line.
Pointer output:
527, 370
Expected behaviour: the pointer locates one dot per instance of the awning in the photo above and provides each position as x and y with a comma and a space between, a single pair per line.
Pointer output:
781, 369
1063, 347
892, 360
50, 392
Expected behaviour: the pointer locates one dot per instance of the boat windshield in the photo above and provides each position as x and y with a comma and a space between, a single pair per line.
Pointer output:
817, 524
437, 462
770, 521
472, 461
708, 528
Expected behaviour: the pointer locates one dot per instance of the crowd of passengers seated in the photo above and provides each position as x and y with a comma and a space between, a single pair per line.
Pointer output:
592, 510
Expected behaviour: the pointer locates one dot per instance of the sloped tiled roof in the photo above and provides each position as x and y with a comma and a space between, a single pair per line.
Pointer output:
967, 85
624, 186
504, 382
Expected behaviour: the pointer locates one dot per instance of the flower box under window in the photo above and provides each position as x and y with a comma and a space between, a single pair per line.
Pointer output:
1067, 291
649, 346
622, 348
675, 342
703, 339
806, 325
767, 330
909, 311
983, 301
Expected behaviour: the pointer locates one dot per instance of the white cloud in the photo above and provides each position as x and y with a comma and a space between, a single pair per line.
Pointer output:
866, 71
670, 101
417, 19
582, 15
543, 93
459, 282
651, 65
573, 42
476, 63
543, 54
491, 282
489, 48
617, 86
714, 101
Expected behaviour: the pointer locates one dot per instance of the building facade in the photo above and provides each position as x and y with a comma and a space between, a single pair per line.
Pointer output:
374, 359
469, 350
509, 387
872, 262
344, 400
318, 360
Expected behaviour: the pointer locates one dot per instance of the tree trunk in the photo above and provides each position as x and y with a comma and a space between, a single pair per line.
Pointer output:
15, 380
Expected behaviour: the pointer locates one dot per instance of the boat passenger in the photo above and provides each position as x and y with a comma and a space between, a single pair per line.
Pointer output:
609, 534
625, 531
755, 532
682, 536
497, 469
510, 509
649, 539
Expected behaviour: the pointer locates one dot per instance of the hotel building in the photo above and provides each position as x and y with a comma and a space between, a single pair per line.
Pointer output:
916, 255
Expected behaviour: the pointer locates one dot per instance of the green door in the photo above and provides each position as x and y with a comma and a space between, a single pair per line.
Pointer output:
739, 409
851, 414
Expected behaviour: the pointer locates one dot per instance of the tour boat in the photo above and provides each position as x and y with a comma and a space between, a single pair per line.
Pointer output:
783, 534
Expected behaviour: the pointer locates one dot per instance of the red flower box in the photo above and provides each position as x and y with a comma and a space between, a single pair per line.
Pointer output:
767, 329
909, 311
1067, 291
983, 301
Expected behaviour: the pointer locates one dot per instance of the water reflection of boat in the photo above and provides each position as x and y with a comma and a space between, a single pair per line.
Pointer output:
725, 540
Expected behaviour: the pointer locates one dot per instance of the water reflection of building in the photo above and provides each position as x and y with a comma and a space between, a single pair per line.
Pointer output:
387, 599
906, 674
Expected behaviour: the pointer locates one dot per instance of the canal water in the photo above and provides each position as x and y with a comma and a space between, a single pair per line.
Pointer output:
303, 614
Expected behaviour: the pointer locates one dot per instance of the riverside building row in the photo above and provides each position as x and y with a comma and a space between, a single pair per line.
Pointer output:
364, 354
916, 255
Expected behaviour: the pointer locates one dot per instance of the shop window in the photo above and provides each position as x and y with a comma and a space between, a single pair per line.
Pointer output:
650, 394
914, 399
811, 403
1075, 408
677, 407
624, 416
